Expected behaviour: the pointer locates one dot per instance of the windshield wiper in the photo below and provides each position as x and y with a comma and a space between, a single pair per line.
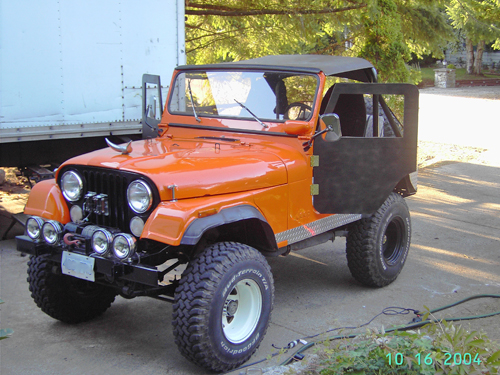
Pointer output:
192, 101
255, 117
221, 138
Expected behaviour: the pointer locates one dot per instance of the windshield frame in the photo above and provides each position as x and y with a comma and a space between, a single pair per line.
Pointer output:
246, 118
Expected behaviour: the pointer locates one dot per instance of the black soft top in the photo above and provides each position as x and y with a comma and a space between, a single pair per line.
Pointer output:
340, 66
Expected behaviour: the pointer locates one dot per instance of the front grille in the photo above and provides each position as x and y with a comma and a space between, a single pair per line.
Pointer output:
108, 186
114, 185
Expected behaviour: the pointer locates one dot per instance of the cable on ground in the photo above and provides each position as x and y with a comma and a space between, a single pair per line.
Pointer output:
415, 323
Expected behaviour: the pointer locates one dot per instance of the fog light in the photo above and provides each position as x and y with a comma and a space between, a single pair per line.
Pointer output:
52, 231
34, 227
101, 242
76, 214
136, 226
124, 246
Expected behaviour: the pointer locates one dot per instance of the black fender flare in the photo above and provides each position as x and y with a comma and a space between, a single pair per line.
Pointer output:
198, 227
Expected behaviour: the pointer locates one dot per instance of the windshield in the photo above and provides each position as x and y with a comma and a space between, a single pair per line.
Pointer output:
259, 96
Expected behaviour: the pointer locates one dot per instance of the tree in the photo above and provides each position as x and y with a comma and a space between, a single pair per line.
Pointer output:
479, 21
385, 32
391, 30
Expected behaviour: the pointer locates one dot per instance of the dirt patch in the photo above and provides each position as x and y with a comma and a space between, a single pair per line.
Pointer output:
14, 191
430, 153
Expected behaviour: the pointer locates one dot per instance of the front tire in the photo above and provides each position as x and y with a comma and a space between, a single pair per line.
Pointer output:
64, 297
223, 306
377, 246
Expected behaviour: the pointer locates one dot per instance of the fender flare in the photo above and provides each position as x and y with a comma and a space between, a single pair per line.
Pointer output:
198, 227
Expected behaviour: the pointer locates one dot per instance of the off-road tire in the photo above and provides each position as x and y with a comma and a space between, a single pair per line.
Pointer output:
203, 299
65, 298
377, 246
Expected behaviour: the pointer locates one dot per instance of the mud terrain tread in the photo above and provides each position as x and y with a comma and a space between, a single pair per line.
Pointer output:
361, 246
190, 309
57, 296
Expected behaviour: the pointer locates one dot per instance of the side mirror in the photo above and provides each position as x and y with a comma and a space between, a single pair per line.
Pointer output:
331, 122
152, 109
331, 130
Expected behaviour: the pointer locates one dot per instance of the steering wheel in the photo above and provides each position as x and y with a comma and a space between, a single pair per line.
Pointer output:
302, 111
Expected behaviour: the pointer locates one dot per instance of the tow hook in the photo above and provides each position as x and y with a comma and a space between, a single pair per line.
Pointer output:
69, 239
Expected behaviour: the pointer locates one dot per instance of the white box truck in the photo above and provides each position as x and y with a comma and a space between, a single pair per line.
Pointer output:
71, 72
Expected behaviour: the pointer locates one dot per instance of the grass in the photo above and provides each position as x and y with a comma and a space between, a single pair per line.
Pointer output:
437, 348
428, 74
461, 74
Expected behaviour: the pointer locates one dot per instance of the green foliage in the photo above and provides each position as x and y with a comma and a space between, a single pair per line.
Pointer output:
385, 32
479, 22
450, 66
5, 333
381, 41
478, 19
437, 348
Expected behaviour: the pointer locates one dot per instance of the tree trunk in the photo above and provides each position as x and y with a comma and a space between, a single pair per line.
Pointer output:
478, 62
470, 55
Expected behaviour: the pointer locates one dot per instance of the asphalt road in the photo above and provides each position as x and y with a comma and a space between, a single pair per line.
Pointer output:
455, 253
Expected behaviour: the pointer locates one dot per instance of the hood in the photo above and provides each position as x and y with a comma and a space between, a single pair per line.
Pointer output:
197, 168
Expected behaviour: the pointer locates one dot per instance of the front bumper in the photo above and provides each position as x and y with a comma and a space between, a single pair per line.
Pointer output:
110, 270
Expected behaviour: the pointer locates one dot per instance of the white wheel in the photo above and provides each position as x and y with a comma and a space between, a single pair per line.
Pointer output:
223, 306
242, 310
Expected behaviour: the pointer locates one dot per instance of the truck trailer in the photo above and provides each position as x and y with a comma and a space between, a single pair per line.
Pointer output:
71, 73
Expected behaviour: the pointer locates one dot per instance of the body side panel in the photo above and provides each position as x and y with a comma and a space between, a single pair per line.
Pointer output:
46, 200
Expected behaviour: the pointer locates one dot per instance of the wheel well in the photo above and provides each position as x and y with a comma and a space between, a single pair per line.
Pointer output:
244, 224
407, 186
252, 232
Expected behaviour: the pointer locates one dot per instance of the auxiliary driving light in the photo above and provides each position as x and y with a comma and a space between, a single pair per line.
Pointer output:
101, 242
136, 226
76, 214
34, 227
52, 231
124, 246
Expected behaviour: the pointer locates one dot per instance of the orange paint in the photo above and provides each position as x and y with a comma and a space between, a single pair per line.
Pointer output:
46, 200
264, 169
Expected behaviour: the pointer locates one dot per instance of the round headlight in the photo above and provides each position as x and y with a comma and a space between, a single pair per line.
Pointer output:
101, 242
139, 196
52, 231
34, 227
71, 185
124, 246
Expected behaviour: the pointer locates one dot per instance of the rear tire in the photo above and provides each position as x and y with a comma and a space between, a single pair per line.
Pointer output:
223, 306
377, 246
66, 298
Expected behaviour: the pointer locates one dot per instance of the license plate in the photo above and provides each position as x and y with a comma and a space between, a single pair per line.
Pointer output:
77, 265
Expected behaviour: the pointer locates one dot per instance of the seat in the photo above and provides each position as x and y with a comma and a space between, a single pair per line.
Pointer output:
281, 99
351, 110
